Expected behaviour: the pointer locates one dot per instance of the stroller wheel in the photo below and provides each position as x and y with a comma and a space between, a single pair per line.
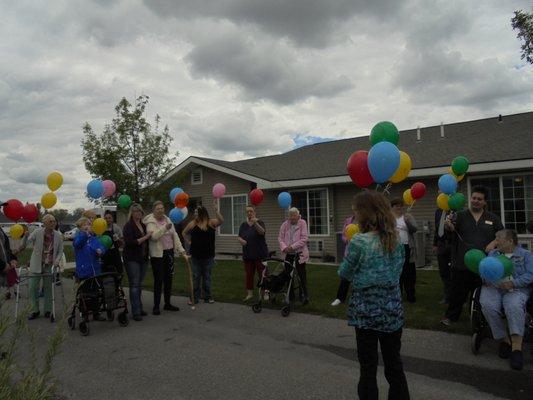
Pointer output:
285, 311
71, 322
84, 328
123, 319
110, 316
256, 308
475, 343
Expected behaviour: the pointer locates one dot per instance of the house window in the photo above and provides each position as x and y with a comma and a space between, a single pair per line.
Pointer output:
233, 209
313, 206
511, 197
196, 177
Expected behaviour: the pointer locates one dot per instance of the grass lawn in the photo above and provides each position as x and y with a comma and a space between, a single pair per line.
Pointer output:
24, 257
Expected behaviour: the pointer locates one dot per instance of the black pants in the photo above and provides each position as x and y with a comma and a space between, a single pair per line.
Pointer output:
367, 354
163, 269
302, 274
408, 276
444, 261
342, 292
463, 284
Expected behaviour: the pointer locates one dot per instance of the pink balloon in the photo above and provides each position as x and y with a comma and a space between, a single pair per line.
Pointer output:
109, 188
219, 190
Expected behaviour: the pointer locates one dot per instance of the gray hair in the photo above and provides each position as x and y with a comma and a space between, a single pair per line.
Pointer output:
294, 210
47, 217
508, 234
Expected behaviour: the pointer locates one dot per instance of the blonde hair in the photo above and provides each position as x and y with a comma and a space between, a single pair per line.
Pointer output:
135, 207
47, 217
90, 214
82, 221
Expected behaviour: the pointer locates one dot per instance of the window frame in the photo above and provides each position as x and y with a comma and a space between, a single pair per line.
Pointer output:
219, 230
307, 217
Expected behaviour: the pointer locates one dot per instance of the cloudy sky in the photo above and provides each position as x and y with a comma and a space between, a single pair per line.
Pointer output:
243, 78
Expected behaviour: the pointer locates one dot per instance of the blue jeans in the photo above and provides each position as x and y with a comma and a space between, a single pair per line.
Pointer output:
201, 268
136, 272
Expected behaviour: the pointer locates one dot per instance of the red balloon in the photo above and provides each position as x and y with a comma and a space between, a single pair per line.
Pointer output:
358, 169
13, 209
30, 213
256, 196
418, 190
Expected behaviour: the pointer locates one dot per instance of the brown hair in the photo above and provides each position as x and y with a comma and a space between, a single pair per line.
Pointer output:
374, 214
397, 202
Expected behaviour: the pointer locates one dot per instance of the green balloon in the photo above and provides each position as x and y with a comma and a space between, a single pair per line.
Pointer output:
124, 201
106, 241
508, 266
457, 201
472, 259
460, 165
384, 131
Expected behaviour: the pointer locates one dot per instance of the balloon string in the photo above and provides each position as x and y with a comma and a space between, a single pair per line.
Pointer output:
378, 186
386, 190
411, 206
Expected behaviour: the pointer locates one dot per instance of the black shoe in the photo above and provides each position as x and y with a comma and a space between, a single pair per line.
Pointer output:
505, 350
34, 315
156, 311
137, 318
47, 314
305, 301
143, 313
170, 307
517, 360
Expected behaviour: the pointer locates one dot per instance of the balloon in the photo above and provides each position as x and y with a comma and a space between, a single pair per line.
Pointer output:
16, 231
447, 184
124, 201
106, 241
457, 178
351, 230
383, 161
54, 181
418, 190
184, 211
403, 169
460, 165
256, 197
181, 200
284, 200
457, 201
109, 188
176, 216
99, 226
48, 200
472, 259
13, 209
491, 269
219, 190
408, 197
30, 213
384, 131
508, 266
174, 192
442, 202
95, 189
358, 169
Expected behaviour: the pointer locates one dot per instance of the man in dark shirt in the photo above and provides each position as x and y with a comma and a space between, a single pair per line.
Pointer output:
474, 228
442, 242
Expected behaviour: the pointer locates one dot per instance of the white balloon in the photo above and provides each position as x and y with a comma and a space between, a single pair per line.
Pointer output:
185, 212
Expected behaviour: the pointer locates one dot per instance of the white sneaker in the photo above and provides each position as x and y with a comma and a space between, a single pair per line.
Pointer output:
266, 296
335, 303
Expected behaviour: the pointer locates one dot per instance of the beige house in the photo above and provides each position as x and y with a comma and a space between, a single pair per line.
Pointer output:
500, 151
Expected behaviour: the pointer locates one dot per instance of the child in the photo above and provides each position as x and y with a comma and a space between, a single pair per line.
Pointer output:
88, 250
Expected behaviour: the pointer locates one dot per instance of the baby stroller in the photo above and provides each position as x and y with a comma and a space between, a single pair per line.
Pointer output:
100, 293
278, 278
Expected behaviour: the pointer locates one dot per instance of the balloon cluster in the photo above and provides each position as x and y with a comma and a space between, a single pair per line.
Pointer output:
100, 189
416, 192
492, 268
54, 182
180, 199
450, 199
383, 162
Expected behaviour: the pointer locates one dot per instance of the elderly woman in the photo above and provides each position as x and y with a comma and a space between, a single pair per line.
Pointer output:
509, 297
111, 260
292, 240
164, 243
135, 256
8, 262
47, 252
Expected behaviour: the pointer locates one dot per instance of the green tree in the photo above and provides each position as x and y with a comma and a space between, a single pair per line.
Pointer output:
129, 151
59, 214
523, 23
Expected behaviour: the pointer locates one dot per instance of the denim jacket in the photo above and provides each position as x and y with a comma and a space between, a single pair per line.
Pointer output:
523, 266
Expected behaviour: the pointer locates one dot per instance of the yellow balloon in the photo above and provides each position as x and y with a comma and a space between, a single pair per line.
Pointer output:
403, 169
99, 226
16, 231
54, 181
408, 198
48, 200
457, 178
351, 230
442, 202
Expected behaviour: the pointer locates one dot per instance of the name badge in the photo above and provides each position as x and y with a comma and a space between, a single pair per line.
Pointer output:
488, 222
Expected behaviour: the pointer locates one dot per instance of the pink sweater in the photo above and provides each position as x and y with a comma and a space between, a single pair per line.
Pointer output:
299, 240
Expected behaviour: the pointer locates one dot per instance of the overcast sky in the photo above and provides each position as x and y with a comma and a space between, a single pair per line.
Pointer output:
243, 78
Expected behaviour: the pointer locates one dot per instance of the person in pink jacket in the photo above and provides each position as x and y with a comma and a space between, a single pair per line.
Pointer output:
292, 238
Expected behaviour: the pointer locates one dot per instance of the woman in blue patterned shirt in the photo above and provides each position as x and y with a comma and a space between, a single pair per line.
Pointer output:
373, 266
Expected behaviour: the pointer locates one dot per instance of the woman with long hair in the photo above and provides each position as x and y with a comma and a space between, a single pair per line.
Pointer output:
373, 266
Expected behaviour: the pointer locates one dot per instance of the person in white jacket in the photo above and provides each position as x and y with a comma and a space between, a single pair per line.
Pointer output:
164, 244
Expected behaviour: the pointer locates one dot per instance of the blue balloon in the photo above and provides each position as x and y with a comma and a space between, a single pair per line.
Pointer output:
176, 216
383, 161
491, 269
174, 192
95, 189
284, 200
447, 184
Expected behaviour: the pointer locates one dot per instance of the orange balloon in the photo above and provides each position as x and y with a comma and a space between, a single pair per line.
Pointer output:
181, 200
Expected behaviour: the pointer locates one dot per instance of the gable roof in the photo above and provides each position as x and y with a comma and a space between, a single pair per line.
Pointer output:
481, 141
